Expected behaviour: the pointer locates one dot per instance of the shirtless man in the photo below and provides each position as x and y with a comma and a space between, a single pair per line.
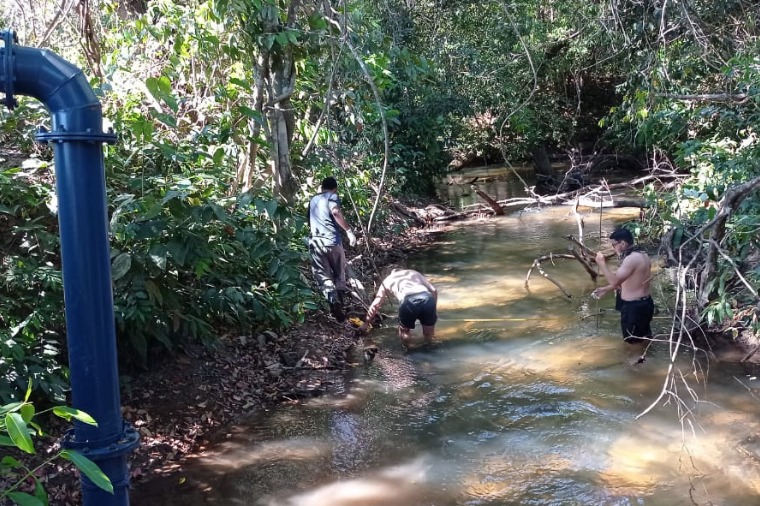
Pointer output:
631, 284
417, 298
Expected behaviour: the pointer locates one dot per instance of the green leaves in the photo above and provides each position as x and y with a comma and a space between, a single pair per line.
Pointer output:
24, 499
31, 284
184, 264
68, 414
16, 429
161, 89
89, 469
19, 432
120, 265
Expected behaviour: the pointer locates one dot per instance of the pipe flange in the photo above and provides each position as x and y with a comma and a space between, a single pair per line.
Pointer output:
103, 450
44, 136
9, 38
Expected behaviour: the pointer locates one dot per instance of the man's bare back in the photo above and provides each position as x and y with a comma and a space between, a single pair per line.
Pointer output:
403, 282
635, 272
417, 301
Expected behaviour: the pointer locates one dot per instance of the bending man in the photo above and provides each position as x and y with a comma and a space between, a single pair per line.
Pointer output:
328, 259
631, 284
418, 300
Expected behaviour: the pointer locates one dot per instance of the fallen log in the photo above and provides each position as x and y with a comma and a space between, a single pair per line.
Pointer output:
450, 180
452, 217
406, 212
597, 204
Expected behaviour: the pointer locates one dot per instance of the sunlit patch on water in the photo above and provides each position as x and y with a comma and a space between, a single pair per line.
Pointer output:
634, 464
408, 483
481, 335
508, 479
491, 293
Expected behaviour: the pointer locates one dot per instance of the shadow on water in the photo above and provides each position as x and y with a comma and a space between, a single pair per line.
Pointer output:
527, 398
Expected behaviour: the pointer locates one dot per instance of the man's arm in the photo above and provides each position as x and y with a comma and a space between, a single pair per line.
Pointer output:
615, 279
601, 261
308, 214
602, 291
625, 270
374, 308
339, 219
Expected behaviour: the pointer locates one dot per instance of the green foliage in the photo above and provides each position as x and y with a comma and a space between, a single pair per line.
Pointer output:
719, 310
17, 428
185, 266
508, 77
17, 127
189, 262
693, 101
31, 289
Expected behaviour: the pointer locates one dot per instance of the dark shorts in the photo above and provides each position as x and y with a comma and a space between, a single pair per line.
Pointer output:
636, 317
417, 306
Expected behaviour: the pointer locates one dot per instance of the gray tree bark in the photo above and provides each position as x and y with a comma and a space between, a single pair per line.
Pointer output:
541, 161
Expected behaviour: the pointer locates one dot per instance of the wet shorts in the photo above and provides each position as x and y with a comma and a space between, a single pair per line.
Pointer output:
635, 318
417, 306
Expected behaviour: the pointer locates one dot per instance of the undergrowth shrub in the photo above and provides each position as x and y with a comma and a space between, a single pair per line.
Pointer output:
31, 289
187, 268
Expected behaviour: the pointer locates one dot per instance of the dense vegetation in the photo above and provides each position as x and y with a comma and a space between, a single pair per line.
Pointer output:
230, 112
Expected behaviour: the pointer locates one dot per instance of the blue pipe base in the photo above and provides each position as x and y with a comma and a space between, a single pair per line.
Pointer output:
111, 458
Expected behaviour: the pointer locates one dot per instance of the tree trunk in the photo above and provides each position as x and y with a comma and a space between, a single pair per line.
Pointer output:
279, 111
247, 166
733, 197
541, 161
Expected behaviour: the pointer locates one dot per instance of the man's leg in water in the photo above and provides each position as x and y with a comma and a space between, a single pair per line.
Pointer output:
405, 335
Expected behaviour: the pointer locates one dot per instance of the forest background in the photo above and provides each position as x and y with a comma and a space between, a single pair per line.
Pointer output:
230, 112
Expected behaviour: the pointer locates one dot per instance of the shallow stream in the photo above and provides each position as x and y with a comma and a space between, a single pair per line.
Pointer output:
529, 398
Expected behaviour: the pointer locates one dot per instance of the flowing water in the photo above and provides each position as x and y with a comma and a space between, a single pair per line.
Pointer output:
529, 398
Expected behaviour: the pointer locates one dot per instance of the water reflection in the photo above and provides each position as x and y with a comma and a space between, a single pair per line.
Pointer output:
529, 398
499, 182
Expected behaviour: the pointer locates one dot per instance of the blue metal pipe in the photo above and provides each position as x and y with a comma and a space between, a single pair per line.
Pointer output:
76, 135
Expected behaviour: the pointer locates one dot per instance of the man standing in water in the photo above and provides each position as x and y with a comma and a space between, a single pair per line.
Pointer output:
328, 259
631, 285
418, 300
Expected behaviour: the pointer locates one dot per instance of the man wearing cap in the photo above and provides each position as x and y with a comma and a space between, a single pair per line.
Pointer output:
328, 259
631, 285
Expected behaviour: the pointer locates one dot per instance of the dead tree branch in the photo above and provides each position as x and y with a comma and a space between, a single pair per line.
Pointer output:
537, 265
733, 197
708, 97
497, 209
586, 265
